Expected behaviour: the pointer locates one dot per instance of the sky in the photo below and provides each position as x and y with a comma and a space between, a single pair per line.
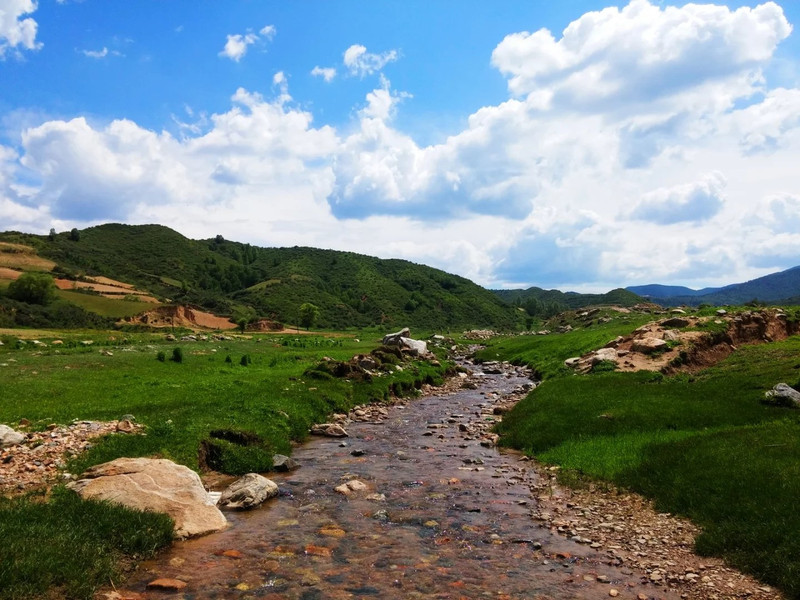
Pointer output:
576, 145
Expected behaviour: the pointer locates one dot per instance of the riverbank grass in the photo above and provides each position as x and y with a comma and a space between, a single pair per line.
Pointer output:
703, 446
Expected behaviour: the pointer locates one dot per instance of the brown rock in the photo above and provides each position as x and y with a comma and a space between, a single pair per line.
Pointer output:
166, 584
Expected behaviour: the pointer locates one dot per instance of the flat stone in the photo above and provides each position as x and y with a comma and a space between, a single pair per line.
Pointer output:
166, 584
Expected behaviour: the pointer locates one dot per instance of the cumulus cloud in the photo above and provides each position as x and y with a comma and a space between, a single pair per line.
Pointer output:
697, 201
327, 73
639, 53
237, 44
17, 31
360, 63
111, 172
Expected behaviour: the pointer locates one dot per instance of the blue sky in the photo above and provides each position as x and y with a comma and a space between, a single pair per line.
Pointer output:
581, 145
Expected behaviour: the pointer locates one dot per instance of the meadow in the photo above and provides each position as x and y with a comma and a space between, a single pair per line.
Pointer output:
263, 386
701, 445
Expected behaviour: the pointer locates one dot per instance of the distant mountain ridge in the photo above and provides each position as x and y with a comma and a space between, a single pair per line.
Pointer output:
781, 287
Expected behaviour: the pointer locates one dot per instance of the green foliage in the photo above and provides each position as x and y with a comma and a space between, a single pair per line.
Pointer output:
74, 235
548, 303
33, 288
177, 355
68, 547
161, 356
308, 314
246, 360
56, 314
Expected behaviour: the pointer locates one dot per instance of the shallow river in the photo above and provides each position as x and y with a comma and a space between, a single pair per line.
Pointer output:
455, 522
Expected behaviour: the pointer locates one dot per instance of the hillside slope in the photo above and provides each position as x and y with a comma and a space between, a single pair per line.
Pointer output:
350, 290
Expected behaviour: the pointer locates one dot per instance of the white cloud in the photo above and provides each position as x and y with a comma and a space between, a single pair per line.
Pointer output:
361, 63
327, 73
698, 201
640, 54
17, 32
237, 44
95, 53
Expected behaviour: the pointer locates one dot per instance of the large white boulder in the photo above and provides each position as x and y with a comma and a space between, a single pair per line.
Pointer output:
156, 485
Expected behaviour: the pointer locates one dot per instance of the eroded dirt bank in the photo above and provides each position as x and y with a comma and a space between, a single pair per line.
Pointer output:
444, 515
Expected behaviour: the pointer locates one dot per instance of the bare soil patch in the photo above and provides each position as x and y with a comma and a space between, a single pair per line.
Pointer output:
181, 316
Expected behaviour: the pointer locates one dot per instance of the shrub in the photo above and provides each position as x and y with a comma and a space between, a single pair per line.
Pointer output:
33, 288
246, 360
177, 355
161, 356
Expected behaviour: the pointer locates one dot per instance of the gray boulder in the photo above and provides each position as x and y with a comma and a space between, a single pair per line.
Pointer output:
156, 485
10, 437
283, 463
783, 395
248, 492
393, 339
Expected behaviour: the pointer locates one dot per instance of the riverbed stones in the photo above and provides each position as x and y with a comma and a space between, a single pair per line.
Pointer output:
156, 485
329, 430
283, 463
248, 492
10, 437
351, 487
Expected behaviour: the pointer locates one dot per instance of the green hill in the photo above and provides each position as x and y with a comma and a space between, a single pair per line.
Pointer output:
546, 303
350, 290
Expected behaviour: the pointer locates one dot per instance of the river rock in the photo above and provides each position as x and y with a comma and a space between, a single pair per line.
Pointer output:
248, 492
156, 485
283, 464
352, 486
10, 437
783, 395
329, 430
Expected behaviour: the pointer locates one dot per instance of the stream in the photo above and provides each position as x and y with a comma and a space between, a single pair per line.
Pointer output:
443, 516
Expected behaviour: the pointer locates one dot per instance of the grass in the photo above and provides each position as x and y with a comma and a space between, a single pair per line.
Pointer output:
67, 547
106, 307
703, 446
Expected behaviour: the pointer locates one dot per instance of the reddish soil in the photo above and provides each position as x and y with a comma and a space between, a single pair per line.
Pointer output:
180, 316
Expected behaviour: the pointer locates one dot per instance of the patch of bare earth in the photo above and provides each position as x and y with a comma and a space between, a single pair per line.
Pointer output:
40, 459
675, 344
180, 316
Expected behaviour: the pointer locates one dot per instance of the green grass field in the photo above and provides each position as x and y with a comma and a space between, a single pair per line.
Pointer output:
272, 399
106, 307
703, 446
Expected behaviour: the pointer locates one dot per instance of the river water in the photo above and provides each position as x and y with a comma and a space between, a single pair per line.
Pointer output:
454, 520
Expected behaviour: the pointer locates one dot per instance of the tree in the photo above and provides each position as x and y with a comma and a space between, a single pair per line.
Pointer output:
308, 314
52, 235
33, 288
74, 234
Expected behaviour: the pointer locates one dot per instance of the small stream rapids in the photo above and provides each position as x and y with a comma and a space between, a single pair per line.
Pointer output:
443, 516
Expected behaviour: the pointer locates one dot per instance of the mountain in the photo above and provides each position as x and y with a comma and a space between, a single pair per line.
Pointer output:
780, 287
350, 290
667, 291
545, 303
